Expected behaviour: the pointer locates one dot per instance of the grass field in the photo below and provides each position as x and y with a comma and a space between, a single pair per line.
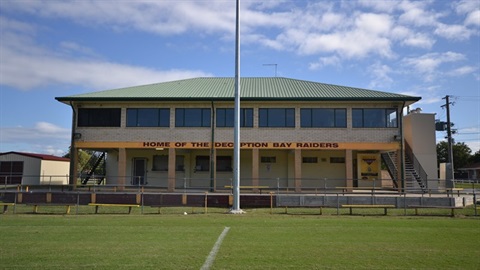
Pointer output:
256, 240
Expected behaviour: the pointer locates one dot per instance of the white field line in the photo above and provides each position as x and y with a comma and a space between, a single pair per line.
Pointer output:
211, 257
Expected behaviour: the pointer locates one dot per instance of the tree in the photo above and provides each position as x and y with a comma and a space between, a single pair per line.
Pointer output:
83, 158
461, 154
475, 158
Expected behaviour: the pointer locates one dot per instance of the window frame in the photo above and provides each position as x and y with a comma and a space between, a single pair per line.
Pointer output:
204, 159
99, 117
268, 159
13, 170
205, 117
246, 117
311, 111
162, 117
265, 120
362, 115
222, 168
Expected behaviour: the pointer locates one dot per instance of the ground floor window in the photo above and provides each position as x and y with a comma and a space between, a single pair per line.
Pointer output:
309, 160
160, 163
224, 164
268, 159
202, 163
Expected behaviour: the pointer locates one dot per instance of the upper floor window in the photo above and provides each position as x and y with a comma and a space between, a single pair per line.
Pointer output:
192, 117
99, 117
148, 117
374, 118
225, 117
323, 118
273, 117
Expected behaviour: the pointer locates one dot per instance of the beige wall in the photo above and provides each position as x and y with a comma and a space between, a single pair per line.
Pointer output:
54, 172
254, 134
283, 169
419, 132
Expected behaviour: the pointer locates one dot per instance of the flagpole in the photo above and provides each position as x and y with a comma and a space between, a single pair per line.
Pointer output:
236, 140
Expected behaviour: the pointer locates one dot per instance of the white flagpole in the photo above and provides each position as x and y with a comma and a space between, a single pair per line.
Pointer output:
236, 140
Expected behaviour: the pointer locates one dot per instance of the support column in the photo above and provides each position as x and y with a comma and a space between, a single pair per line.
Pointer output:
255, 167
172, 159
399, 164
74, 168
298, 170
349, 169
122, 168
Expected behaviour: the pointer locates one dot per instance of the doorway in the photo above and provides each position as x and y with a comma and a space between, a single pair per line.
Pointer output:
139, 171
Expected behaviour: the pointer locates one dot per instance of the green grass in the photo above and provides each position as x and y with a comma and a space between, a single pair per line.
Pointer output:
256, 240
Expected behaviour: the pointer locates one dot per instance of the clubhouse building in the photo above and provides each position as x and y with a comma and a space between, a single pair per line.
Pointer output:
295, 135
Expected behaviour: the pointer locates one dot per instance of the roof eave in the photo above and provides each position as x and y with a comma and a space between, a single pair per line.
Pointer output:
66, 100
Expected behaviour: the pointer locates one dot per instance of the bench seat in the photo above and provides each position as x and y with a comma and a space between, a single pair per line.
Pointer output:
97, 205
36, 205
384, 206
5, 206
304, 206
452, 208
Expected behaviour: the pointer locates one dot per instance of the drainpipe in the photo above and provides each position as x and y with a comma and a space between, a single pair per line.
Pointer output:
212, 151
73, 159
402, 149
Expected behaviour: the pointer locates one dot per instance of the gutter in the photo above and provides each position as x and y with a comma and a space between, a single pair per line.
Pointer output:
73, 159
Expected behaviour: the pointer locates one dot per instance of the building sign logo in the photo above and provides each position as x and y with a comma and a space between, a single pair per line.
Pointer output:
243, 145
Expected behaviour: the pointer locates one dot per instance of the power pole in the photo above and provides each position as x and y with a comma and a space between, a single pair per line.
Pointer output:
449, 137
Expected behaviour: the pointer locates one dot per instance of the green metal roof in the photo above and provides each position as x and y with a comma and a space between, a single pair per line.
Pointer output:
253, 89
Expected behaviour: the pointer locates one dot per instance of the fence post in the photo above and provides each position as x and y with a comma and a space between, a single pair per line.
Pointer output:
338, 206
475, 201
278, 185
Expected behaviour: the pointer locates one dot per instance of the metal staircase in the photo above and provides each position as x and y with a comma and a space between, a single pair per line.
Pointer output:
389, 160
415, 176
413, 179
97, 171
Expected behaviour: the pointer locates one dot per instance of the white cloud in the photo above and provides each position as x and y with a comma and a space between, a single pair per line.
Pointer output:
470, 9
44, 138
25, 65
473, 18
428, 65
159, 17
461, 71
325, 61
380, 73
414, 13
455, 32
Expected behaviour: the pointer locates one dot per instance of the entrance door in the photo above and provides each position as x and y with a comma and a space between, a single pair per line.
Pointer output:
139, 171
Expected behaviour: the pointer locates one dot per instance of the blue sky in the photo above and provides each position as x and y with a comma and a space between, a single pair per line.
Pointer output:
59, 48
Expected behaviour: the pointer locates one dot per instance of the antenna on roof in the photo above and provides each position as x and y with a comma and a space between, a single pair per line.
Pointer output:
273, 65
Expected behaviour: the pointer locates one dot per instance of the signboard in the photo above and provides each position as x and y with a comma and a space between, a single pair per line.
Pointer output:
243, 145
369, 166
